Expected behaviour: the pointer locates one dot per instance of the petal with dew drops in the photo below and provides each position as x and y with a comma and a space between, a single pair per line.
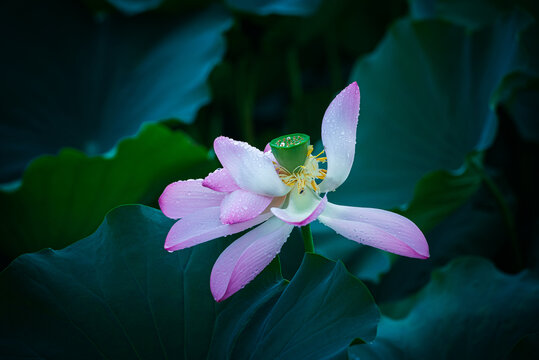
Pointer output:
339, 136
269, 154
242, 205
220, 180
246, 257
377, 228
250, 168
182, 198
302, 208
203, 226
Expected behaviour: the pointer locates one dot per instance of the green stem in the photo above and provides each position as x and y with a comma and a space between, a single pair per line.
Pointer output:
506, 212
307, 238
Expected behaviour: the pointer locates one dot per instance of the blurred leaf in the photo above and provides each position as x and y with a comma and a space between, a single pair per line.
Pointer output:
281, 7
119, 294
519, 92
469, 310
523, 107
426, 93
441, 192
65, 197
84, 82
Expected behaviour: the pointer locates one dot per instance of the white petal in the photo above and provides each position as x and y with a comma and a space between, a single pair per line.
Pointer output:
339, 136
302, 208
250, 168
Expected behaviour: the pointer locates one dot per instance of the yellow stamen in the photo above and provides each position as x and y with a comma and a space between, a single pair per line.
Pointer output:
304, 175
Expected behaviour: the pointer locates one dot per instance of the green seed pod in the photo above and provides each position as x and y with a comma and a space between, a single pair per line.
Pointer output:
290, 150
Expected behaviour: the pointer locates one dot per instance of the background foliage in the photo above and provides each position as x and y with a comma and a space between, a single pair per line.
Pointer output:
105, 102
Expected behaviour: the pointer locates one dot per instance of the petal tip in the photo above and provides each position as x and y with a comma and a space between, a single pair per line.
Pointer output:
353, 87
421, 249
171, 244
417, 255
218, 142
218, 291
424, 255
168, 247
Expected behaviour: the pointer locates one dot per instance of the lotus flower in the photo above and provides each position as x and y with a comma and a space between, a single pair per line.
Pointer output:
275, 190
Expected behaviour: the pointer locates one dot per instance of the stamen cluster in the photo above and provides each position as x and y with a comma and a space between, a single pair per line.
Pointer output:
304, 175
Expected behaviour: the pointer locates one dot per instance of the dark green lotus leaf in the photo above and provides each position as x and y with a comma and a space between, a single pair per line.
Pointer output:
519, 92
65, 197
280, 7
72, 79
119, 294
425, 104
523, 106
469, 310
440, 193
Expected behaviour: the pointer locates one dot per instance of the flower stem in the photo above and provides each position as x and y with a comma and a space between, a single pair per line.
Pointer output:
307, 238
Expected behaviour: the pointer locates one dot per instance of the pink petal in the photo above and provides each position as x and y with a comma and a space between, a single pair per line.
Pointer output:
242, 205
182, 198
339, 136
302, 208
246, 257
220, 180
203, 226
378, 228
250, 168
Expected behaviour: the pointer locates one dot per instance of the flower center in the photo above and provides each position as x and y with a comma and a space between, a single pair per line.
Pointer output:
304, 175
290, 151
